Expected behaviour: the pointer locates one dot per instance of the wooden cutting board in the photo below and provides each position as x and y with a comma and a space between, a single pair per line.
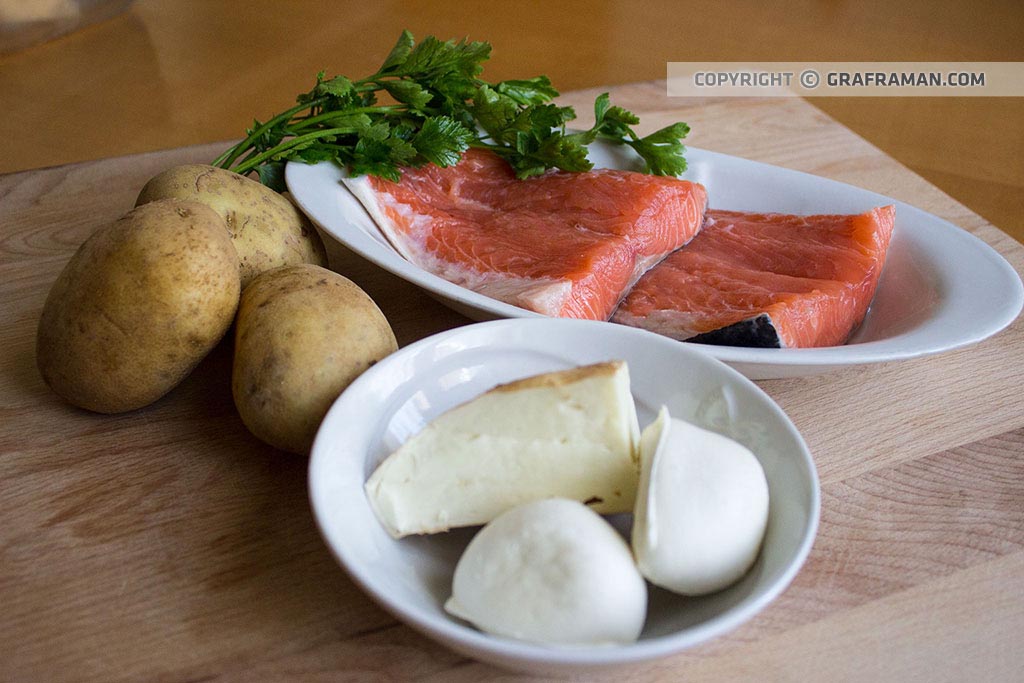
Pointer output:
170, 545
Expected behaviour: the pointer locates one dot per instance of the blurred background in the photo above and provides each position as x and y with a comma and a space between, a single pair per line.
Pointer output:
88, 79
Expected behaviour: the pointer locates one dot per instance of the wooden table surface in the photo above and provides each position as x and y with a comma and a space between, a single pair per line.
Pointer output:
168, 544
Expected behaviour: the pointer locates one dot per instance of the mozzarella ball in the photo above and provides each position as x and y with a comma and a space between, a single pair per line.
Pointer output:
553, 572
702, 508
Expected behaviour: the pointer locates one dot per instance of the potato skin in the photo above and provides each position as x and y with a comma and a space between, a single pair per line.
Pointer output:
140, 303
302, 335
267, 229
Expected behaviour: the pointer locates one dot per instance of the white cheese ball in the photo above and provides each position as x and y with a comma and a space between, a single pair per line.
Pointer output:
701, 510
553, 572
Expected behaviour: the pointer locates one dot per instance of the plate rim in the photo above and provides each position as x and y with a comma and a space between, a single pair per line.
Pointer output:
869, 352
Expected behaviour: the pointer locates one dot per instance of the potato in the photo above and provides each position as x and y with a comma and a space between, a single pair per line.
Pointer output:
267, 229
141, 302
302, 335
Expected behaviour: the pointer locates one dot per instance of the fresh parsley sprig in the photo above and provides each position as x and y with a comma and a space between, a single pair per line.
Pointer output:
441, 108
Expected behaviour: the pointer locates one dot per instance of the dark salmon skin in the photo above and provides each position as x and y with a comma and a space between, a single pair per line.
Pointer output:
769, 280
562, 244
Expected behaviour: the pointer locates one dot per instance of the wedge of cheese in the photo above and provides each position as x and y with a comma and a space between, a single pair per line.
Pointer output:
570, 434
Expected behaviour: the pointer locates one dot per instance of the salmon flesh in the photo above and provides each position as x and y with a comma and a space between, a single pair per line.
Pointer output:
561, 244
766, 280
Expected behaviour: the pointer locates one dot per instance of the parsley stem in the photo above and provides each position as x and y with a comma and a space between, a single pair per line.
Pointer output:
227, 158
327, 116
255, 161
252, 152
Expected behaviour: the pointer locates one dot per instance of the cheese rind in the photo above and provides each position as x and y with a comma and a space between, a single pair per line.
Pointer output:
570, 434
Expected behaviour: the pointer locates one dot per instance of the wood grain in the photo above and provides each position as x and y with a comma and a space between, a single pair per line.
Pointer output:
168, 544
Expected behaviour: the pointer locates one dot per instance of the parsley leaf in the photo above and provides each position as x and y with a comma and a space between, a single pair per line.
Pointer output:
663, 149
409, 92
442, 140
399, 53
441, 108
272, 175
533, 91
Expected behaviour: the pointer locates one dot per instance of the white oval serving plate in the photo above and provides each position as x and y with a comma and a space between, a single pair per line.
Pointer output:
397, 397
941, 289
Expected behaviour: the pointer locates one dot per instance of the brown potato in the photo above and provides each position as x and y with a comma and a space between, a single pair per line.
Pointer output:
141, 302
302, 335
267, 229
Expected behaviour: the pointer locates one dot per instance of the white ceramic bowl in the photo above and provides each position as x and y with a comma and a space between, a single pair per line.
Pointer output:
412, 577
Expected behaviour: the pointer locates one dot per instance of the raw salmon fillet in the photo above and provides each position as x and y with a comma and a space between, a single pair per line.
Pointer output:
769, 280
562, 244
